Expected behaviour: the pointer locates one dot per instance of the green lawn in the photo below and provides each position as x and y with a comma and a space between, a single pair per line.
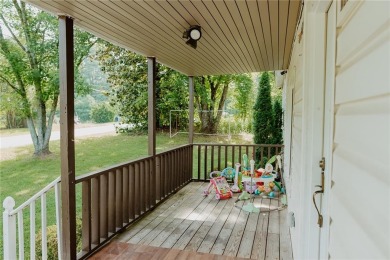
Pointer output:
24, 176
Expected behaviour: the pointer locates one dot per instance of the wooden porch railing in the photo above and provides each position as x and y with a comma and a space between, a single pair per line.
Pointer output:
211, 157
115, 197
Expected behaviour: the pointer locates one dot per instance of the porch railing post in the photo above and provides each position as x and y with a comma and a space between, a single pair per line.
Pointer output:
9, 229
152, 126
68, 191
191, 110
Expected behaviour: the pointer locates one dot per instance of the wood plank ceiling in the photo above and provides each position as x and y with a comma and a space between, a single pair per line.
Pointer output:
237, 36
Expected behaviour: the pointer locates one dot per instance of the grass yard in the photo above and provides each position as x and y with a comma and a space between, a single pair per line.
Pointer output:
24, 176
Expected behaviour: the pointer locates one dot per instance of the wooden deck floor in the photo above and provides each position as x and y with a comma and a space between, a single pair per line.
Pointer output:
191, 222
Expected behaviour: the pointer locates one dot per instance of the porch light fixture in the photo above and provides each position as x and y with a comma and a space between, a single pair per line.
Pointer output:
193, 34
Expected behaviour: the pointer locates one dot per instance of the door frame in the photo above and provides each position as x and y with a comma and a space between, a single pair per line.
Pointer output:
330, 75
315, 29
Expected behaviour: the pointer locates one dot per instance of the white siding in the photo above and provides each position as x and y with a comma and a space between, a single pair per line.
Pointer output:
360, 197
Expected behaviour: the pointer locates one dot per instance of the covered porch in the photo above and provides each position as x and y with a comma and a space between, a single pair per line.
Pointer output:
156, 200
336, 94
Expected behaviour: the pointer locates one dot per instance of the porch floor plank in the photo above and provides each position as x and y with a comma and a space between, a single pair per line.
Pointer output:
190, 226
166, 207
200, 234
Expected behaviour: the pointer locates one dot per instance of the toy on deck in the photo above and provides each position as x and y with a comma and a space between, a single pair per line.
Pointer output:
250, 186
237, 186
222, 188
228, 173
244, 166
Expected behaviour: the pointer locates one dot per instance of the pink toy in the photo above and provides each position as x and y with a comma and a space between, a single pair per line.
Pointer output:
222, 188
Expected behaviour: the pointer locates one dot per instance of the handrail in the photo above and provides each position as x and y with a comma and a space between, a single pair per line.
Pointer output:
94, 174
36, 196
259, 145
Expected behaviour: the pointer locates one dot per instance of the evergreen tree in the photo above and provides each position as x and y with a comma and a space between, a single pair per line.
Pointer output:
262, 112
277, 122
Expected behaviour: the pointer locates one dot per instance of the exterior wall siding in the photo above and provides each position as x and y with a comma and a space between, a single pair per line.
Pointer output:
359, 202
359, 197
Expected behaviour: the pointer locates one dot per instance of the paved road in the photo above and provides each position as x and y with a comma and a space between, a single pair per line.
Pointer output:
25, 139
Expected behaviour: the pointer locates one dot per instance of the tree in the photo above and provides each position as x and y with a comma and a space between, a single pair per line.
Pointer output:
243, 101
262, 114
31, 65
277, 135
127, 75
211, 93
102, 113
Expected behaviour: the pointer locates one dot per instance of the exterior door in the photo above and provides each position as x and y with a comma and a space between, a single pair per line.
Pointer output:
328, 126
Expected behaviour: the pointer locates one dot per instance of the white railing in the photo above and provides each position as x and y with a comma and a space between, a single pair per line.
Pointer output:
13, 235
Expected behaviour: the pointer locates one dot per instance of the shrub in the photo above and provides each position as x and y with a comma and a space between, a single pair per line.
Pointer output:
52, 248
102, 113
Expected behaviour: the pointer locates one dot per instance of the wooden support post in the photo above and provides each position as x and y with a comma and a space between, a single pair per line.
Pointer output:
66, 70
191, 110
152, 105
152, 127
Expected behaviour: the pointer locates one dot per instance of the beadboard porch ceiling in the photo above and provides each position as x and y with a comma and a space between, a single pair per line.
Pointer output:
237, 36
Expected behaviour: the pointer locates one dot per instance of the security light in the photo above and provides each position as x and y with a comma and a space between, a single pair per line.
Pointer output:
193, 34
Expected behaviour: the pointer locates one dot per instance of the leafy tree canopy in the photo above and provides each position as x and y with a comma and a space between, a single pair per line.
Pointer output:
211, 93
30, 66
127, 75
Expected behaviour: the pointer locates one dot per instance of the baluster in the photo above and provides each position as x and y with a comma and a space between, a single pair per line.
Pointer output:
212, 158
118, 199
233, 153
32, 230
111, 203
44, 225
57, 194
226, 156
131, 192
167, 173
162, 177
142, 187
86, 215
219, 157
158, 178
95, 216
103, 206
147, 185
137, 190
20, 234
199, 160
153, 181
205, 162
239, 155
125, 194
261, 156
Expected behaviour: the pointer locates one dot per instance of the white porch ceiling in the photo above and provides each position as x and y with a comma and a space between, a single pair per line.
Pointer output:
237, 36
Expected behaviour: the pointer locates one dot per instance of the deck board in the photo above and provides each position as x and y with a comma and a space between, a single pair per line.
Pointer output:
190, 225
166, 207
